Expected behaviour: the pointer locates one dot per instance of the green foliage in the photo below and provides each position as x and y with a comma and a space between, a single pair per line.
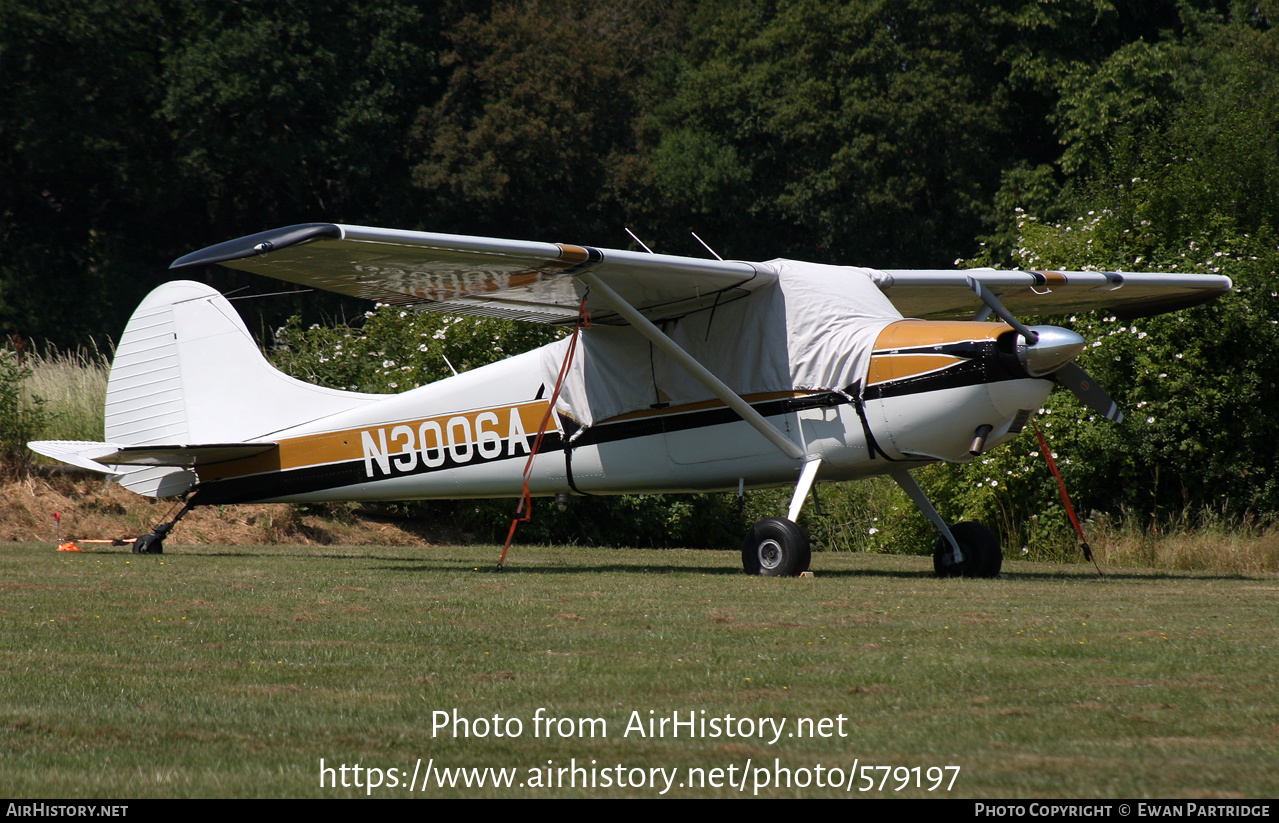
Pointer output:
828, 130
81, 166
710, 521
1182, 180
282, 111
22, 418
1197, 385
872, 515
1141, 135
393, 350
536, 115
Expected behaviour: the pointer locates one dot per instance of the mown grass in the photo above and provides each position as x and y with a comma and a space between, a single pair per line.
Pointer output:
233, 671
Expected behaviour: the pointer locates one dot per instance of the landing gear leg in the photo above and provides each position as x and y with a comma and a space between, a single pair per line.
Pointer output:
968, 550
777, 547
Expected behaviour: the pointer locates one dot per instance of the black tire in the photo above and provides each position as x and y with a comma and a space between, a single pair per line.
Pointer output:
982, 555
148, 544
776, 547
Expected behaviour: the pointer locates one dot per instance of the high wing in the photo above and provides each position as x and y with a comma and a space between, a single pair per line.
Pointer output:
531, 281
947, 295
511, 279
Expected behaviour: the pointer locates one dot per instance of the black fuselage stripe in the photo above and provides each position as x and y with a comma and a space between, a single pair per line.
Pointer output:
347, 473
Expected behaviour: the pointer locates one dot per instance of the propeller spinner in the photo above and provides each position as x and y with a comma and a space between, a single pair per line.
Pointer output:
1049, 351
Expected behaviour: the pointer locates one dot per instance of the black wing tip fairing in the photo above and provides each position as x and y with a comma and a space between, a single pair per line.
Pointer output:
255, 244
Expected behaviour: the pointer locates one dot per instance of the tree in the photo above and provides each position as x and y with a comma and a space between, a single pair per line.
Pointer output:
871, 133
536, 115
81, 163
287, 112
1192, 186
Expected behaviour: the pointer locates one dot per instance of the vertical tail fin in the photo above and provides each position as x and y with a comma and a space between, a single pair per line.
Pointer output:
187, 372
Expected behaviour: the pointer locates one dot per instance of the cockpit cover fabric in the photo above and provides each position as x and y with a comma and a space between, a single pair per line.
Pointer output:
812, 330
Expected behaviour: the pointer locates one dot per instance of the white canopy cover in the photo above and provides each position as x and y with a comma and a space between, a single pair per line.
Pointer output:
813, 329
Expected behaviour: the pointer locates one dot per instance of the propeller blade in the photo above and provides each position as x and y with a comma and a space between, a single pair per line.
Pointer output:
1086, 389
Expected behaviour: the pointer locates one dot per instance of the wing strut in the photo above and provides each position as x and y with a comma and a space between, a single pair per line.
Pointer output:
689, 363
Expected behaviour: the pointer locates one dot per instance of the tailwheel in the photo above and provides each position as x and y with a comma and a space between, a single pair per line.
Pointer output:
153, 543
775, 547
148, 544
982, 555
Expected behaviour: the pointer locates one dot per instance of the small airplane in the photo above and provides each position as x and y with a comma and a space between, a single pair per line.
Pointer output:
691, 375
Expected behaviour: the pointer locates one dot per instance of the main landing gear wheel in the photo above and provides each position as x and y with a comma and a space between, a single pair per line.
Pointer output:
775, 547
982, 554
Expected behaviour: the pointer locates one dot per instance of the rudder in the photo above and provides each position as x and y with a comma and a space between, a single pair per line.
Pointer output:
187, 371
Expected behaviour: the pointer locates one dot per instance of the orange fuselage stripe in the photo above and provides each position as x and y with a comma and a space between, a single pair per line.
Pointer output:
348, 444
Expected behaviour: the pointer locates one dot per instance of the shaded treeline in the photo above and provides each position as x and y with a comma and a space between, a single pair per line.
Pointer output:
884, 133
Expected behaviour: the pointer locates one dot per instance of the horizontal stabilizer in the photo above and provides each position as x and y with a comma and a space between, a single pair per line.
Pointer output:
98, 457
81, 453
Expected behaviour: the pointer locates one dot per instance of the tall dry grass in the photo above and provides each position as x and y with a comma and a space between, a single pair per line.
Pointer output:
1205, 542
72, 386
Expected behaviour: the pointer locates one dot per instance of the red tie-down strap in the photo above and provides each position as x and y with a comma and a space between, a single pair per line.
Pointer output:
1065, 496
524, 511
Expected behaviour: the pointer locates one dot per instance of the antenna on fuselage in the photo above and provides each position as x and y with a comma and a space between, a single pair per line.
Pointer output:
447, 363
637, 240
708, 248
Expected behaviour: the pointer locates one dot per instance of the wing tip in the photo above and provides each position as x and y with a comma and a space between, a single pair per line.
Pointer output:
256, 244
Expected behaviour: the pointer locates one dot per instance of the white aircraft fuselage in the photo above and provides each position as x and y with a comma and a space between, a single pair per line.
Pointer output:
471, 435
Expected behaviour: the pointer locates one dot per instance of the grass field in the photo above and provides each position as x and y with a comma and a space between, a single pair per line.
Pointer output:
232, 672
